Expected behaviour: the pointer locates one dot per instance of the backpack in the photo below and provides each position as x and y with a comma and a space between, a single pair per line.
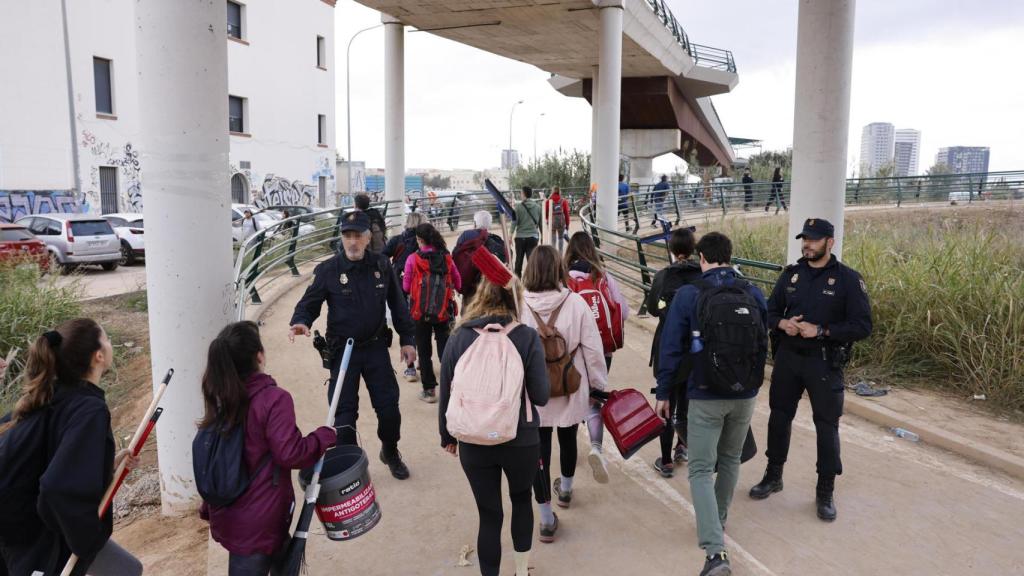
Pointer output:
463, 258
562, 375
557, 216
487, 389
734, 338
378, 230
675, 278
24, 456
606, 310
431, 297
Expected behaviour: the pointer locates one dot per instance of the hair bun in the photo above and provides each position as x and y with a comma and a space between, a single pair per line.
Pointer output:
54, 338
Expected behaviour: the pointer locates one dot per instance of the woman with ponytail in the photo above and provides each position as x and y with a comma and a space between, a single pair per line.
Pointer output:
58, 457
254, 528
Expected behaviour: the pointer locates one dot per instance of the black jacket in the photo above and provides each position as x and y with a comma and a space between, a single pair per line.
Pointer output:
535, 376
398, 249
663, 288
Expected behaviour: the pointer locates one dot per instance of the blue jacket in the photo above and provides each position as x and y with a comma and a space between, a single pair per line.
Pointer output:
675, 337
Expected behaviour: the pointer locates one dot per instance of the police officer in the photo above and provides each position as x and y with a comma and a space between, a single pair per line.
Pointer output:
357, 284
818, 308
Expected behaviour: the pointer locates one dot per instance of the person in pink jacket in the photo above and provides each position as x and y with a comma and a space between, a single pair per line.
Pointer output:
544, 280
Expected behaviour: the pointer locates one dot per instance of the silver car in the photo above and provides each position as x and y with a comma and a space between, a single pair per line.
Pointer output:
76, 239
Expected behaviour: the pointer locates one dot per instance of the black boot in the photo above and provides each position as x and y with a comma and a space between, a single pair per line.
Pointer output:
393, 458
770, 484
826, 506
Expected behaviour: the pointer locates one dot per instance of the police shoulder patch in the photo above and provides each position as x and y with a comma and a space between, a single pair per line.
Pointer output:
863, 286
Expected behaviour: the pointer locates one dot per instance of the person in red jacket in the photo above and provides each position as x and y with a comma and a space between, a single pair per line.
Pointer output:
254, 528
556, 209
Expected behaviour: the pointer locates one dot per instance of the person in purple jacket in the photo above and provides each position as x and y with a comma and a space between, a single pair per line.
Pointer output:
254, 528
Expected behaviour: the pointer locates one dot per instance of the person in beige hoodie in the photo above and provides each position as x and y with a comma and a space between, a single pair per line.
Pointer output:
544, 279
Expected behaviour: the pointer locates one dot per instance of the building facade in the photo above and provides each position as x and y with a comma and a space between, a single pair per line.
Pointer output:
68, 138
964, 159
907, 151
876, 147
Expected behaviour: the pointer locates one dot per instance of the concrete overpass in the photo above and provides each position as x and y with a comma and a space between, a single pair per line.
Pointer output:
655, 97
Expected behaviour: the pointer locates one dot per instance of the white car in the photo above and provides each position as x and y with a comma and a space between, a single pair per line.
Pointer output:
264, 219
130, 231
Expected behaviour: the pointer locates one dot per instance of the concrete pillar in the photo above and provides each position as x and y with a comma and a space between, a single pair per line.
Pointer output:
183, 142
394, 113
643, 146
821, 120
609, 111
594, 116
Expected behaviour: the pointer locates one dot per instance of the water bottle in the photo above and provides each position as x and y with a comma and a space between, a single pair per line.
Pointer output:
905, 434
696, 343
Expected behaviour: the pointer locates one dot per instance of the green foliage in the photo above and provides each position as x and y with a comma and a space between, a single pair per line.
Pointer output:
438, 182
563, 168
762, 165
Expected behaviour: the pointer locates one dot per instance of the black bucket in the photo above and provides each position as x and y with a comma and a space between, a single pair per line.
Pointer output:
347, 505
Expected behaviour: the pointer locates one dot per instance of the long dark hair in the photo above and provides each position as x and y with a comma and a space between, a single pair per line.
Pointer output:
64, 357
431, 237
581, 247
230, 361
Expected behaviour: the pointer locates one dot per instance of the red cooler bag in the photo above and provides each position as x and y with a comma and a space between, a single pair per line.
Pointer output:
631, 420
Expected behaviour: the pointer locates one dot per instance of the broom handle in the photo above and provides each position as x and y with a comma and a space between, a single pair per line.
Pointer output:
313, 490
135, 452
108, 497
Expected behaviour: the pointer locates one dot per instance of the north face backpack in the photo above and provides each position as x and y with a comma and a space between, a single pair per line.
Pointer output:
463, 258
487, 389
24, 456
606, 310
557, 216
432, 288
562, 375
735, 340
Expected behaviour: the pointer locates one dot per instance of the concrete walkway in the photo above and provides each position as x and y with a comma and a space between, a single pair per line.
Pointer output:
903, 508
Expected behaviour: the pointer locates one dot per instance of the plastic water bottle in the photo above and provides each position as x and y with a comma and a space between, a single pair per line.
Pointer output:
696, 343
905, 434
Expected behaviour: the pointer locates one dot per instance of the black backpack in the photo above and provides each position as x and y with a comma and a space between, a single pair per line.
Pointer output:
24, 456
734, 338
218, 462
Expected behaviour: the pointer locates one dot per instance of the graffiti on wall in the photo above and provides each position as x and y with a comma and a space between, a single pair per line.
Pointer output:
281, 191
126, 158
15, 204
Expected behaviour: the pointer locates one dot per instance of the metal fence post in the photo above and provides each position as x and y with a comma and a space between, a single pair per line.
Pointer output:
251, 279
645, 276
899, 193
675, 202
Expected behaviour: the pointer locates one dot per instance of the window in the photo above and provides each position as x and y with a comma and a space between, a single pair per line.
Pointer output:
116, 222
104, 88
321, 53
91, 228
234, 20
14, 235
236, 114
321, 129
238, 189
108, 189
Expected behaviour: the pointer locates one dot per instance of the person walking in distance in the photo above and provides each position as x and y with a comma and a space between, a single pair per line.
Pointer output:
556, 209
748, 189
490, 345
776, 195
526, 227
818, 309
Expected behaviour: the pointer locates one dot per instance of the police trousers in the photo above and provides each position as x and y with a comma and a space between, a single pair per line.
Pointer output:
794, 372
373, 364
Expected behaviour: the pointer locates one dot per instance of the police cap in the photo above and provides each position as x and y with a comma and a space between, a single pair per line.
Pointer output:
356, 221
816, 229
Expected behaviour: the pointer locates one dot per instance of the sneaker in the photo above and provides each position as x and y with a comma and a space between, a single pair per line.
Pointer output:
597, 465
398, 468
680, 455
564, 496
429, 395
667, 470
547, 531
410, 374
717, 565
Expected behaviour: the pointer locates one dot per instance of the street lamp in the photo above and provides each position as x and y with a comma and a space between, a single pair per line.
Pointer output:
510, 135
348, 101
535, 122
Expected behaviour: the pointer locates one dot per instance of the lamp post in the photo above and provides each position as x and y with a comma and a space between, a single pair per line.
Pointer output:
510, 135
348, 101
535, 122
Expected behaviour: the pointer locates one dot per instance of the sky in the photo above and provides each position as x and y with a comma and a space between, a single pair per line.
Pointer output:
949, 68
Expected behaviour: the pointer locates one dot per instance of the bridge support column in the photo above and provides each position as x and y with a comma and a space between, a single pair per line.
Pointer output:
643, 146
821, 122
609, 99
394, 113
184, 147
595, 115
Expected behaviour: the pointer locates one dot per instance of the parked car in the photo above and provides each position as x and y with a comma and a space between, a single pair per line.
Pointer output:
130, 231
76, 239
18, 246
264, 219
306, 213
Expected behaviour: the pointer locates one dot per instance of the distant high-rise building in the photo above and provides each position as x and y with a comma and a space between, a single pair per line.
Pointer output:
964, 159
509, 159
906, 151
876, 147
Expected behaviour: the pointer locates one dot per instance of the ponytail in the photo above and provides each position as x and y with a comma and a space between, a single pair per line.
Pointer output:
431, 237
230, 361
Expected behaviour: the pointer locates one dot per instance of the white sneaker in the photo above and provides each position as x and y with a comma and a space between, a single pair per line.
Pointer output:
598, 465
410, 374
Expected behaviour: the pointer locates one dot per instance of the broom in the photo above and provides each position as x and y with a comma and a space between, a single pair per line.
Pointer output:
294, 558
135, 446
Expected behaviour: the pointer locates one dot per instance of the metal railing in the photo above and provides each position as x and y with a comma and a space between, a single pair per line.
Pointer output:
704, 56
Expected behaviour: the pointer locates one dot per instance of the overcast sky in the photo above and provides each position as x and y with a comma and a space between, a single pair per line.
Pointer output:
950, 68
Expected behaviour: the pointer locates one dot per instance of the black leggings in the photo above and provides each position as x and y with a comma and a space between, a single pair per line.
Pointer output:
677, 407
483, 466
566, 457
425, 349
523, 248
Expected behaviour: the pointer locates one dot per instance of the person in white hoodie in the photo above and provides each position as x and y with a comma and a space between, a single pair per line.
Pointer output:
544, 279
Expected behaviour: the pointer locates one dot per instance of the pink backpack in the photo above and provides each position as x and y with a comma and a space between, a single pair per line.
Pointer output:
487, 389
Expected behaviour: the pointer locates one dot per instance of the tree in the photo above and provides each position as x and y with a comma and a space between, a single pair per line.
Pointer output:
438, 182
762, 165
564, 169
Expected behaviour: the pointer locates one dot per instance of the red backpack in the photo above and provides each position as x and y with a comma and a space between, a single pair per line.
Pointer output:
431, 291
607, 311
463, 258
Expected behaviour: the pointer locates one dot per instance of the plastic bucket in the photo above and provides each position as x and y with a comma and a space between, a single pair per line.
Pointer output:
347, 505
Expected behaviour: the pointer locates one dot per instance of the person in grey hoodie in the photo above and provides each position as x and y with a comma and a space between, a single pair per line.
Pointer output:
526, 227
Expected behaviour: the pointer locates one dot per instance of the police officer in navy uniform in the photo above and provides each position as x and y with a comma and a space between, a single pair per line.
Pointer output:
357, 284
818, 309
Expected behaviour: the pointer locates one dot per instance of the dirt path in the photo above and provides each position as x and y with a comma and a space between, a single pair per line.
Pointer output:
904, 508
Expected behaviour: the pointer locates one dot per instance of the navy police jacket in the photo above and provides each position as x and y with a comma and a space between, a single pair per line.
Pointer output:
356, 294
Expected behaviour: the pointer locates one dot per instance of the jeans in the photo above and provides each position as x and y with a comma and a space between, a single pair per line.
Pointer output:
425, 350
523, 248
251, 565
558, 240
715, 430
